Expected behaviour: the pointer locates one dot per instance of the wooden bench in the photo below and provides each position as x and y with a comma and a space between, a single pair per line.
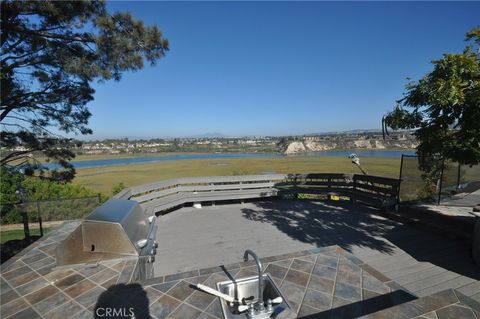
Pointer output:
166, 195
371, 190
377, 191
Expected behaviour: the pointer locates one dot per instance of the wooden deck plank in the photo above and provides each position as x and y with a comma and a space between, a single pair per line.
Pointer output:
398, 273
397, 261
476, 297
429, 251
452, 283
433, 249
470, 289
394, 264
380, 259
431, 281
420, 245
419, 275
454, 259
405, 272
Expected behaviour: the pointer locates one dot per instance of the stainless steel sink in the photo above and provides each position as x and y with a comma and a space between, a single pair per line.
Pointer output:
245, 292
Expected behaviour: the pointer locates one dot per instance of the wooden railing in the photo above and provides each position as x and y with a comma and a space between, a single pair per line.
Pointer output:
163, 196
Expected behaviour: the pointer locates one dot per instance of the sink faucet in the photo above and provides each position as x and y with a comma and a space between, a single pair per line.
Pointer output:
260, 277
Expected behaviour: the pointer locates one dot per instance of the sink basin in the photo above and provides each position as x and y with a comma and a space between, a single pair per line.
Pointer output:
245, 290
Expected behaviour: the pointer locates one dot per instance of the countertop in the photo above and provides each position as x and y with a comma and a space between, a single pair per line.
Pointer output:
325, 281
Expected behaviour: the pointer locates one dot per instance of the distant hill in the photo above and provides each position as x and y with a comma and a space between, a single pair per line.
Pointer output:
209, 135
361, 140
357, 131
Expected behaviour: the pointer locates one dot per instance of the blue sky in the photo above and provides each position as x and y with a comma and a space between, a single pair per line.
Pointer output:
277, 68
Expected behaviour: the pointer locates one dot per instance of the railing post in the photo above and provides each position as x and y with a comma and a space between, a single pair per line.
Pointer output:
458, 176
441, 183
400, 179
39, 216
354, 189
26, 229
23, 193
99, 196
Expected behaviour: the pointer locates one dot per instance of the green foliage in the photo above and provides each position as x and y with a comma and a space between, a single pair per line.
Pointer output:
240, 172
40, 189
78, 200
51, 52
10, 182
444, 109
53, 210
282, 144
118, 188
19, 234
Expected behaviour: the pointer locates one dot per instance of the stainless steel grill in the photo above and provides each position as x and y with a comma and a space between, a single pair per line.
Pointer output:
118, 228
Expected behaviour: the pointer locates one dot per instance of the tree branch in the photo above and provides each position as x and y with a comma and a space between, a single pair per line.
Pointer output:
50, 35
13, 156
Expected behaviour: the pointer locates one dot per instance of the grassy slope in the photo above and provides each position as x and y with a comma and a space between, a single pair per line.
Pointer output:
93, 157
8, 235
104, 178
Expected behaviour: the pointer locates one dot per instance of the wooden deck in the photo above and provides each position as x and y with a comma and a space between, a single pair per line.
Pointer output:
422, 262
425, 264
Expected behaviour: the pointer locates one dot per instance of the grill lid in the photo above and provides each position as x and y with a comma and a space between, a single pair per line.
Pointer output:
117, 228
